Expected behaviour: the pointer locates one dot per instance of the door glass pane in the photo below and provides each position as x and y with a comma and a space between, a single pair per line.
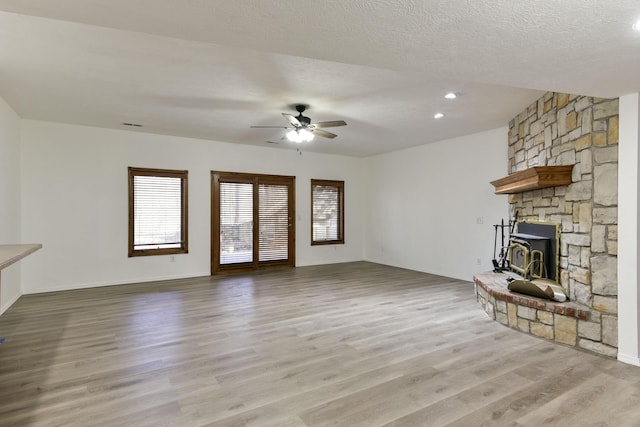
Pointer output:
236, 222
274, 222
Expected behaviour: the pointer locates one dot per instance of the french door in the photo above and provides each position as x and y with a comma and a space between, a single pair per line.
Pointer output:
252, 221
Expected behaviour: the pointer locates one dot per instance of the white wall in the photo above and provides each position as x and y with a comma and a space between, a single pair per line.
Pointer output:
9, 200
424, 205
417, 206
629, 230
74, 202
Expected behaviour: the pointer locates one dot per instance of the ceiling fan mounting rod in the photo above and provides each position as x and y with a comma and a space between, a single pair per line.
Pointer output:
304, 121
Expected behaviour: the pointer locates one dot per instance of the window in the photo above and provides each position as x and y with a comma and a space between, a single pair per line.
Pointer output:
157, 212
327, 212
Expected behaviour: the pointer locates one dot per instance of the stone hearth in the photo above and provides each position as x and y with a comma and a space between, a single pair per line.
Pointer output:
562, 322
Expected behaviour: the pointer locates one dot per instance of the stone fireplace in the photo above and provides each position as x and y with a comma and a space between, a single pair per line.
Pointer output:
568, 130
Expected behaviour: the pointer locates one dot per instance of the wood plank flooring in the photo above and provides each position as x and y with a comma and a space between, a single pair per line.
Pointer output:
354, 344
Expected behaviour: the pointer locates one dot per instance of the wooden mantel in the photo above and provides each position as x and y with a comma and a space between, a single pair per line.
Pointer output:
533, 178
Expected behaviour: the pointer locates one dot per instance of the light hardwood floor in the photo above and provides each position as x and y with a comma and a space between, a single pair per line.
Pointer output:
355, 344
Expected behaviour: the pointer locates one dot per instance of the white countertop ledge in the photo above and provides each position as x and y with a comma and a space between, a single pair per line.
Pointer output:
10, 254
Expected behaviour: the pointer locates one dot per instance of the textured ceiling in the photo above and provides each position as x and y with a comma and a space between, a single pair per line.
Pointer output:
210, 69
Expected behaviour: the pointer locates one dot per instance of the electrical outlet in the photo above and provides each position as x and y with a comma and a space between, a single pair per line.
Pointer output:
478, 261
172, 258
480, 220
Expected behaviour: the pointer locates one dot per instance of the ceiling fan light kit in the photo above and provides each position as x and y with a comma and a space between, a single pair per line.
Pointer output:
302, 130
299, 135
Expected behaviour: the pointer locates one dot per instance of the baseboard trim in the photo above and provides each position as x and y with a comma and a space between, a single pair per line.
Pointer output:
631, 360
114, 283
6, 306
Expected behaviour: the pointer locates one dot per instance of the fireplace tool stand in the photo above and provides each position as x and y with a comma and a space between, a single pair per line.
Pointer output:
501, 263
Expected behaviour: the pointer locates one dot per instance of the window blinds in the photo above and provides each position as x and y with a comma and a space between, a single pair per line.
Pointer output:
327, 216
157, 212
236, 222
274, 222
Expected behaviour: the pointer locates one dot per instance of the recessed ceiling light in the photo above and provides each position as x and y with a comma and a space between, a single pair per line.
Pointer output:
438, 115
636, 26
451, 95
135, 125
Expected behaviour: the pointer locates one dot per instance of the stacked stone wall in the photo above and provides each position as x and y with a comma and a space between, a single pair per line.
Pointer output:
564, 129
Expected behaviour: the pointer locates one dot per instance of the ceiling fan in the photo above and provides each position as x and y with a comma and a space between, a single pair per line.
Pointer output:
302, 130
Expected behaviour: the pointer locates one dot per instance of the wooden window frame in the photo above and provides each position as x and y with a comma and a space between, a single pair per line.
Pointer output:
340, 186
170, 173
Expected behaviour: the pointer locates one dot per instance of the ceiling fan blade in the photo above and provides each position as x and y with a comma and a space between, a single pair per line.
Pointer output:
269, 127
331, 124
292, 120
323, 133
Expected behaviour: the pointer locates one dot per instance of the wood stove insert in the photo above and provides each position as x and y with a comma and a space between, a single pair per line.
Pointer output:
533, 250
